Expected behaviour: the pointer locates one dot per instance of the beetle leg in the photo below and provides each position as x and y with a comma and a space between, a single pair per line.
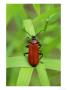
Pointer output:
25, 54
27, 46
41, 55
39, 45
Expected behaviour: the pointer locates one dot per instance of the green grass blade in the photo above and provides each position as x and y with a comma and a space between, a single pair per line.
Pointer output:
35, 78
29, 27
39, 23
44, 81
9, 15
54, 64
18, 9
24, 76
18, 61
50, 15
54, 77
14, 10
12, 75
9, 50
22, 15
37, 8
53, 27
53, 15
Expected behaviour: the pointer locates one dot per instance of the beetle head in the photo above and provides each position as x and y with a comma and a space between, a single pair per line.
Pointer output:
34, 39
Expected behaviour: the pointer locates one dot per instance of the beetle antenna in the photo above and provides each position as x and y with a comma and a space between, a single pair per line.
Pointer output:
44, 27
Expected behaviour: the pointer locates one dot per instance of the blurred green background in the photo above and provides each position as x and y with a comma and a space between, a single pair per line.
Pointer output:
21, 17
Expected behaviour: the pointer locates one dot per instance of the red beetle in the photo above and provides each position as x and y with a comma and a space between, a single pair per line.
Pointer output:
34, 51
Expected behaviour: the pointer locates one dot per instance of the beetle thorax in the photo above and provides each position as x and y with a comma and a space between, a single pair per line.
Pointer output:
34, 41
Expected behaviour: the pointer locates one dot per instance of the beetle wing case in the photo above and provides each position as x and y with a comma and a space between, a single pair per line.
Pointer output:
33, 56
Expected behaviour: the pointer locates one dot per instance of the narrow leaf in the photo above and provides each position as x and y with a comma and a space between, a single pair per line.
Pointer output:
14, 10
39, 25
53, 27
18, 61
54, 64
43, 75
24, 76
10, 49
37, 8
9, 13
12, 75
29, 27
35, 79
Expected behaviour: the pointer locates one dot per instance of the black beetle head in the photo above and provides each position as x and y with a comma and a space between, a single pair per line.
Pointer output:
33, 38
